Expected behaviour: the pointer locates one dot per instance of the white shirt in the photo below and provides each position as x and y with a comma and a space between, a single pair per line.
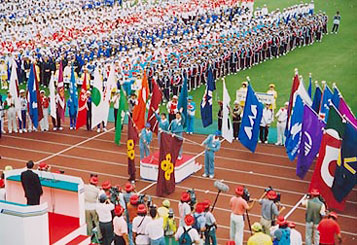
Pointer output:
141, 239
184, 209
154, 229
282, 115
267, 117
192, 233
91, 194
104, 211
295, 237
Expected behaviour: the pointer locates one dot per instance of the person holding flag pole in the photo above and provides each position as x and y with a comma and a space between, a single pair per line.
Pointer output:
145, 140
176, 128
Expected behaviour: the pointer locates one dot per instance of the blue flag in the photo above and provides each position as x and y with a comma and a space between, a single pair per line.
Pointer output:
336, 97
293, 137
182, 101
309, 90
73, 102
311, 136
206, 103
33, 105
345, 173
252, 115
325, 103
317, 99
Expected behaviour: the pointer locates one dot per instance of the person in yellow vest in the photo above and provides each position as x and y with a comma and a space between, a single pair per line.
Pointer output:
275, 94
3, 74
243, 90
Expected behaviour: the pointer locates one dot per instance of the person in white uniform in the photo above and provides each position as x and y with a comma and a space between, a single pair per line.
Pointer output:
281, 116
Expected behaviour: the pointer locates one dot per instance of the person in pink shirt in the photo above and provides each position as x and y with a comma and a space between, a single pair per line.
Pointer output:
238, 207
120, 227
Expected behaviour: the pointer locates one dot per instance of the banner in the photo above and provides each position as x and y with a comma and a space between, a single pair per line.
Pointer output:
227, 129
154, 106
133, 138
206, 103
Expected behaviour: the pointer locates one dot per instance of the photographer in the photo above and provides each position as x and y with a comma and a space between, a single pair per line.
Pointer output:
269, 209
104, 210
239, 206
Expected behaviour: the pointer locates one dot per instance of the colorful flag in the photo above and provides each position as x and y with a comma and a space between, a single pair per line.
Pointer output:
345, 174
123, 107
39, 100
52, 97
154, 105
60, 90
33, 105
140, 108
82, 102
133, 138
227, 129
252, 115
169, 151
14, 88
110, 85
73, 105
323, 176
346, 111
98, 107
325, 103
336, 96
182, 101
206, 103
317, 99
294, 88
309, 90
311, 135
293, 136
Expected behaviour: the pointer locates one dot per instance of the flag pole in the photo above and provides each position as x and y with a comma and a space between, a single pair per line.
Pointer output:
295, 207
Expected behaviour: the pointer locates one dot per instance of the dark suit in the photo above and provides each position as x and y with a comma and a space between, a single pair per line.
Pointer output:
32, 187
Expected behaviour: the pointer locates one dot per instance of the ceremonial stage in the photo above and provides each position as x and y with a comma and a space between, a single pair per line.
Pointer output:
149, 167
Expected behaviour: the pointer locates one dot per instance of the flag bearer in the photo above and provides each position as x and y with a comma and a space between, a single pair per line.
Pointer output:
213, 145
163, 123
23, 108
176, 128
45, 103
145, 140
191, 109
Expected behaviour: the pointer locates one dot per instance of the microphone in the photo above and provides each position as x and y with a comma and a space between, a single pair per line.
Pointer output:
221, 186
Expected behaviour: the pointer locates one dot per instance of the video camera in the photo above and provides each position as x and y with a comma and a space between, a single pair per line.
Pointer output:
246, 194
278, 194
145, 199
193, 199
114, 195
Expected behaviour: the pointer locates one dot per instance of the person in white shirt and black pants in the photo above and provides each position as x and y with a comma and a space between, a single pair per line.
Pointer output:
281, 116
104, 210
267, 119
336, 22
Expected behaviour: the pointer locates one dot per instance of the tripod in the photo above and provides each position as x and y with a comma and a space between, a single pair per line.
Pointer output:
248, 219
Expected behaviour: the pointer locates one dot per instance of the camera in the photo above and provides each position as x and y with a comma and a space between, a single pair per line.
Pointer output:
145, 199
246, 195
278, 194
114, 195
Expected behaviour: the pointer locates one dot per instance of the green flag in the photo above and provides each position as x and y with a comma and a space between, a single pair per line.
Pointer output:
123, 107
335, 122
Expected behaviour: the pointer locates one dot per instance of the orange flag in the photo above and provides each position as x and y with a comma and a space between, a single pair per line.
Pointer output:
140, 109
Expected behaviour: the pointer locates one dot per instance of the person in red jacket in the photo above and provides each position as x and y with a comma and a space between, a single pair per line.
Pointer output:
328, 228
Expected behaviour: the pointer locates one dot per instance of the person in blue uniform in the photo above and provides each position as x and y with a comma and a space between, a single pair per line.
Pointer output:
72, 110
176, 128
213, 145
145, 140
191, 109
163, 123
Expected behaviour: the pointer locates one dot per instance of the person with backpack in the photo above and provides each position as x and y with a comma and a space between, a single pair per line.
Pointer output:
139, 226
211, 226
186, 234
200, 221
282, 234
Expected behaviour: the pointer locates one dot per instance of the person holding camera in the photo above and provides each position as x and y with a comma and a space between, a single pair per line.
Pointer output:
139, 226
315, 210
104, 210
238, 206
269, 209
91, 194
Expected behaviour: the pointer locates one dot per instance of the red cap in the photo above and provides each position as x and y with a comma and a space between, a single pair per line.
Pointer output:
240, 190
142, 209
271, 195
199, 207
189, 220
231, 243
42, 166
185, 197
281, 220
314, 192
106, 185
206, 203
134, 199
332, 214
291, 224
2, 183
94, 180
118, 210
129, 187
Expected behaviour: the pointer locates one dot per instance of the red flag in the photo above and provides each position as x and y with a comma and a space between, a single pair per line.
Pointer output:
82, 104
294, 88
38, 95
133, 138
140, 109
154, 104
61, 107
323, 176
169, 151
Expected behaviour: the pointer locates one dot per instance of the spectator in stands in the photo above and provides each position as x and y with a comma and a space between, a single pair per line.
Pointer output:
31, 185
104, 210
139, 225
154, 229
120, 227
329, 228
295, 235
91, 194
186, 234
258, 237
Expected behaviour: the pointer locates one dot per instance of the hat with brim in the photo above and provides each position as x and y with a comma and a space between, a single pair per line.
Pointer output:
230, 243
129, 187
43, 166
189, 98
271, 195
147, 125
314, 192
141, 209
271, 85
106, 185
22, 91
199, 208
185, 197
118, 210
93, 180
239, 190
291, 224
189, 220
257, 227
333, 214
134, 199
206, 203
281, 220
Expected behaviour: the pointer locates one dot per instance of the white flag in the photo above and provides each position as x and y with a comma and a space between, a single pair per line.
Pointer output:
227, 129
98, 105
301, 91
14, 88
52, 89
111, 84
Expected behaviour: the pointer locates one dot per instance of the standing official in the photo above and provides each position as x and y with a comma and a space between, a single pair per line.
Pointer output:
273, 92
267, 119
213, 145
104, 210
281, 116
31, 185
145, 140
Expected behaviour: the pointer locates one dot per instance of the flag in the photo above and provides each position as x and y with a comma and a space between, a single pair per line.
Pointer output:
154, 105
14, 89
123, 107
169, 151
294, 88
33, 105
38, 94
60, 91
252, 115
317, 99
336, 96
133, 138
206, 103
325, 103
111, 85
311, 135
73, 106
293, 136
182, 101
98, 107
345, 174
52, 89
345, 110
140, 108
323, 176
227, 129
309, 90
82, 102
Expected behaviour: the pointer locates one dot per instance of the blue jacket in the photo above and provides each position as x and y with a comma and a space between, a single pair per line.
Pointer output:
177, 127
212, 145
164, 125
145, 136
